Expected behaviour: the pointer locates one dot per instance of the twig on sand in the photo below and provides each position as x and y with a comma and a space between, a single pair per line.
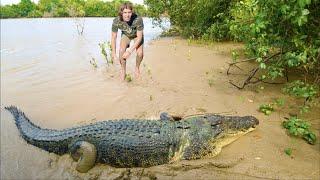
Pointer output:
253, 71
235, 64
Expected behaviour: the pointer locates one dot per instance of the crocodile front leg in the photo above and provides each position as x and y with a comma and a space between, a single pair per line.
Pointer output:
85, 153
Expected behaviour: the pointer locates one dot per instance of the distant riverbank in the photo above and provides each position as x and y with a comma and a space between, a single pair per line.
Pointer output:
68, 8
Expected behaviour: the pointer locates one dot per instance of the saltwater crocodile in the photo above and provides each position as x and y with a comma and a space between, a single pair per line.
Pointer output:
136, 142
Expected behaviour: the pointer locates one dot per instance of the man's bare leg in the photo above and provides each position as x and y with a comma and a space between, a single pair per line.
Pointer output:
139, 58
123, 46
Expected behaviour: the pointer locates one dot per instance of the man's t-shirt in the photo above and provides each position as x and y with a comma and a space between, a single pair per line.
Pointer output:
129, 29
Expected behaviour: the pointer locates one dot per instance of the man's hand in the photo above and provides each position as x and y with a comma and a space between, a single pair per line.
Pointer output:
126, 54
114, 57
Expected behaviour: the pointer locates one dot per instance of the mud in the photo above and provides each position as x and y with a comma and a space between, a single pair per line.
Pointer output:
179, 78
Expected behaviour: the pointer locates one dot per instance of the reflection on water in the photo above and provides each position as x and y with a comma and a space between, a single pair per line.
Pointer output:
45, 63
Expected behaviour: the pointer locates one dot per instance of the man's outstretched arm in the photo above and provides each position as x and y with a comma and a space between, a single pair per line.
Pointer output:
113, 45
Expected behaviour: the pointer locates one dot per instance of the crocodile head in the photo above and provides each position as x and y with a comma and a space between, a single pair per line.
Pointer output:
232, 124
226, 129
207, 134
214, 125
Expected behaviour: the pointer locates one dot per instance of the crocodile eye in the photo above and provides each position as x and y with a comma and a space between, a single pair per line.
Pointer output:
215, 123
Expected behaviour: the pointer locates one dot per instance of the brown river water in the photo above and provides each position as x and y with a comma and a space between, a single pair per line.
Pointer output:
46, 72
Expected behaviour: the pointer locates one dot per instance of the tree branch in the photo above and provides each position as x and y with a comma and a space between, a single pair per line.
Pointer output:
252, 71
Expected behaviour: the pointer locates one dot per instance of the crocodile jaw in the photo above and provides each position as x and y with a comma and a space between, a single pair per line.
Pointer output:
219, 142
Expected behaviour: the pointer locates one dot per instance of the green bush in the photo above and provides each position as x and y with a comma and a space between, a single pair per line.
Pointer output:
195, 19
267, 109
283, 30
218, 31
299, 128
301, 89
8, 12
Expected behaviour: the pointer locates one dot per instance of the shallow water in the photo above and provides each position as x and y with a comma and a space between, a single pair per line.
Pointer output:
46, 63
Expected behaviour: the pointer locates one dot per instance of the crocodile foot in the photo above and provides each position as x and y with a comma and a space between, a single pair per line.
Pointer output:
85, 153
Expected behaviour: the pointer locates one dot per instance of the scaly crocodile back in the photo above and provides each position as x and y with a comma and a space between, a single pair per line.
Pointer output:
120, 143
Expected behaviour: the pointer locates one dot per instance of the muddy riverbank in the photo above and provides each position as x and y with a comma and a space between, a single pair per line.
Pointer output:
179, 78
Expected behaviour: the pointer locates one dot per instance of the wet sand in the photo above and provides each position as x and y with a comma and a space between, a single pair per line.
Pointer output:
176, 78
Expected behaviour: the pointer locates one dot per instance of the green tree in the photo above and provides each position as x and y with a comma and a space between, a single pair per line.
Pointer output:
193, 17
95, 8
8, 11
140, 10
25, 7
49, 8
66, 8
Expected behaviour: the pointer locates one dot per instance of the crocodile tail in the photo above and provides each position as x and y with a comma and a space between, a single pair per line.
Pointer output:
35, 135
21, 120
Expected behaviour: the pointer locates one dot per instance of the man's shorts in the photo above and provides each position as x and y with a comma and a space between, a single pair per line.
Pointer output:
127, 40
